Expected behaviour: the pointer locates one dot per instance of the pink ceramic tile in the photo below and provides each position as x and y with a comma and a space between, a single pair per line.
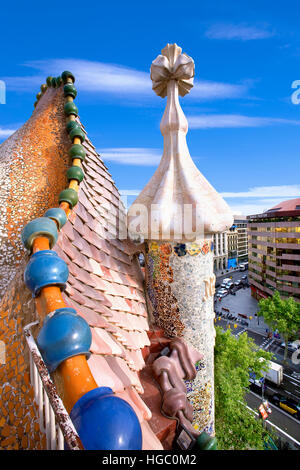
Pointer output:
68, 230
103, 374
79, 226
135, 359
93, 294
93, 318
77, 240
128, 377
61, 253
116, 277
135, 397
81, 212
119, 303
126, 396
116, 350
99, 346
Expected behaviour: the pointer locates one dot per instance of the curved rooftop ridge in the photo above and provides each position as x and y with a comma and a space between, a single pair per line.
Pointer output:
106, 288
105, 285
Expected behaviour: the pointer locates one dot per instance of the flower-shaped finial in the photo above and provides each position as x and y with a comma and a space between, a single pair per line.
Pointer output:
171, 64
178, 203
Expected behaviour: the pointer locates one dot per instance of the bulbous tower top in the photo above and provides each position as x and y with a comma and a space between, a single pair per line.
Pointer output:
178, 203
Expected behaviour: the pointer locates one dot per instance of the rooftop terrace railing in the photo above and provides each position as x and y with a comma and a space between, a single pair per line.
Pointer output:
54, 419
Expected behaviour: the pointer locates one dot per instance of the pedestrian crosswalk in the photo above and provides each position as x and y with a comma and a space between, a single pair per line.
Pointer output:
240, 332
267, 343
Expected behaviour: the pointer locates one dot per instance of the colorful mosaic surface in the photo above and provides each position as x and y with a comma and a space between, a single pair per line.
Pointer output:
160, 278
33, 165
19, 426
181, 287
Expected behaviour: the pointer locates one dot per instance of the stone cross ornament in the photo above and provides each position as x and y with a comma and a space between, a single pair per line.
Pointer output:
171, 64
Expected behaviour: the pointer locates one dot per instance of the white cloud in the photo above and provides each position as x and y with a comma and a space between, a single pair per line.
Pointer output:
242, 32
114, 79
209, 121
259, 198
132, 156
284, 191
216, 90
4, 133
244, 208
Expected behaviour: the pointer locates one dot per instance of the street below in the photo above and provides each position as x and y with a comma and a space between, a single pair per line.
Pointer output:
238, 313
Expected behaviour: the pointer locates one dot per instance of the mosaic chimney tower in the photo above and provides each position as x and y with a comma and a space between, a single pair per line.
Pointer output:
176, 214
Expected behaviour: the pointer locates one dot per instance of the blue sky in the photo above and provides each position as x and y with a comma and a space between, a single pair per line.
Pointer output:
243, 126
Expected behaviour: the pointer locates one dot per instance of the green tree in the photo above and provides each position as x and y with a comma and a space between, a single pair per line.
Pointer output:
283, 315
236, 427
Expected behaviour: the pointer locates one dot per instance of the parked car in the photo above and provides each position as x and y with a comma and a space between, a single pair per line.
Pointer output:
222, 293
287, 404
229, 285
292, 346
244, 278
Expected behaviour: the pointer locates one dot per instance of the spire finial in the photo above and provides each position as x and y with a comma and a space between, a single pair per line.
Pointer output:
171, 64
178, 203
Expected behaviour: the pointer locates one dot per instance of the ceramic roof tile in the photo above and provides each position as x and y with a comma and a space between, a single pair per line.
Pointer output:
82, 244
127, 376
82, 212
99, 346
103, 374
103, 336
136, 358
128, 321
68, 230
118, 303
96, 226
135, 397
81, 274
139, 410
90, 316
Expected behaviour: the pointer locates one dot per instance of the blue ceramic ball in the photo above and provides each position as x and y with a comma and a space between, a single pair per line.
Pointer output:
106, 422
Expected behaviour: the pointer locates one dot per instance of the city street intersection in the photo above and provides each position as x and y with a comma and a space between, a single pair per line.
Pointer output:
244, 304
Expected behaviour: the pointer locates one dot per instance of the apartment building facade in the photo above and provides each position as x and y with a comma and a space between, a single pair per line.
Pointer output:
242, 238
220, 252
274, 251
